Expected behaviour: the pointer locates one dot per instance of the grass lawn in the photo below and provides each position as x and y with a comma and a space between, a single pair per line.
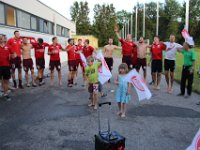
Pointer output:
179, 64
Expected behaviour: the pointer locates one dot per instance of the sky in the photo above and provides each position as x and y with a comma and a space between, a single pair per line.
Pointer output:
63, 6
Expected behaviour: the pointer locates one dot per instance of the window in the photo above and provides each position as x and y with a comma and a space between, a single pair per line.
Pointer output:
10, 16
58, 29
23, 20
33, 23
46, 26
2, 14
41, 25
66, 32
50, 28
63, 32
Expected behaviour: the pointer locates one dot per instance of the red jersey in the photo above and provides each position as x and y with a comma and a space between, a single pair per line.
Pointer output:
5, 52
56, 52
134, 58
15, 46
39, 49
79, 48
156, 51
127, 47
71, 52
88, 51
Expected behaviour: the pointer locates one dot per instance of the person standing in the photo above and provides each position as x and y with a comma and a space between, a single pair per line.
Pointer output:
54, 52
78, 50
169, 62
128, 49
188, 67
141, 56
156, 56
16, 63
40, 59
71, 62
28, 62
5, 66
108, 54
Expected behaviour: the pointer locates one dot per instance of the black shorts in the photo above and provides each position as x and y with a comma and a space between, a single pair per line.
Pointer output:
5, 73
141, 63
109, 62
169, 65
72, 65
128, 61
156, 66
28, 64
16, 63
93, 88
53, 64
40, 63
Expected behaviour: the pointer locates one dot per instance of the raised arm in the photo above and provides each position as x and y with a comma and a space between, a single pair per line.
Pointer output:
117, 32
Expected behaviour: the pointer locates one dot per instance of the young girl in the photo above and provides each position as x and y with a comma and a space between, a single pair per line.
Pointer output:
123, 90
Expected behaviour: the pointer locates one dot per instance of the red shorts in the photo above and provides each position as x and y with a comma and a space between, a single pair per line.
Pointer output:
40, 63
53, 64
28, 64
141, 63
16, 63
79, 62
72, 65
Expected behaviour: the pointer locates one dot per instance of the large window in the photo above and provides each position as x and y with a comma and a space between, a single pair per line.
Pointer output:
23, 20
59, 30
10, 16
2, 14
33, 23
66, 32
41, 25
62, 31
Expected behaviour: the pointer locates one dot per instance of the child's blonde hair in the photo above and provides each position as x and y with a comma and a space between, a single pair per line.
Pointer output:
90, 58
123, 66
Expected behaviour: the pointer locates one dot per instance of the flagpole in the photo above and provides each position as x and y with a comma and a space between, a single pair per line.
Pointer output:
157, 20
131, 24
144, 14
136, 16
187, 15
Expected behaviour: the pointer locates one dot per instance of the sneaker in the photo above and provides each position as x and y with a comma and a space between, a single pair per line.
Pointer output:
187, 96
95, 107
90, 105
151, 83
21, 87
7, 98
180, 94
41, 83
104, 95
34, 85
123, 115
28, 85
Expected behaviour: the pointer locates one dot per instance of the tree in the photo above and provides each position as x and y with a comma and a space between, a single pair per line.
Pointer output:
80, 15
104, 23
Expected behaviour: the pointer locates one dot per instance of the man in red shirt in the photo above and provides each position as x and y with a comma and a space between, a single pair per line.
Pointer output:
54, 52
129, 50
156, 56
87, 49
39, 56
5, 53
71, 62
78, 50
15, 46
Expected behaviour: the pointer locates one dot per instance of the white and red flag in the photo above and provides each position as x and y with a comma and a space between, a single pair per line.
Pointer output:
104, 72
83, 59
185, 34
139, 84
195, 143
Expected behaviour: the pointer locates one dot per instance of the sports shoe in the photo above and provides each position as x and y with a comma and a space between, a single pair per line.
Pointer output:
34, 84
180, 94
41, 83
28, 85
7, 97
21, 87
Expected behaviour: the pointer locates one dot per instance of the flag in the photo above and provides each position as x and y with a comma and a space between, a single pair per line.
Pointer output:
104, 73
185, 34
195, 143
83, 59
139, 84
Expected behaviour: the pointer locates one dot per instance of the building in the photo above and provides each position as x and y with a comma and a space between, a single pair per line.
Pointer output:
35, 19
93, 40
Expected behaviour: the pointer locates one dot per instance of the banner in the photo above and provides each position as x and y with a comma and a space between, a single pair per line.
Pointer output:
195, 143
139, 84
83, 59
185, 34
104, 72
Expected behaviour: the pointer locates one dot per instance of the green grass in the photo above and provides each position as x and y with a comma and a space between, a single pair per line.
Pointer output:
179, 64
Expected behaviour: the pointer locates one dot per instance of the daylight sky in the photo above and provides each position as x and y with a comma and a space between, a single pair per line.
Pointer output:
63, 6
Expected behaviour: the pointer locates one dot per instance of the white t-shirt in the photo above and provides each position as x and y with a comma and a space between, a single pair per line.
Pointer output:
171, 49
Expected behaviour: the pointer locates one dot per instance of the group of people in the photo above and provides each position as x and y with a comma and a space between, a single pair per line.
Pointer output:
133, 56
